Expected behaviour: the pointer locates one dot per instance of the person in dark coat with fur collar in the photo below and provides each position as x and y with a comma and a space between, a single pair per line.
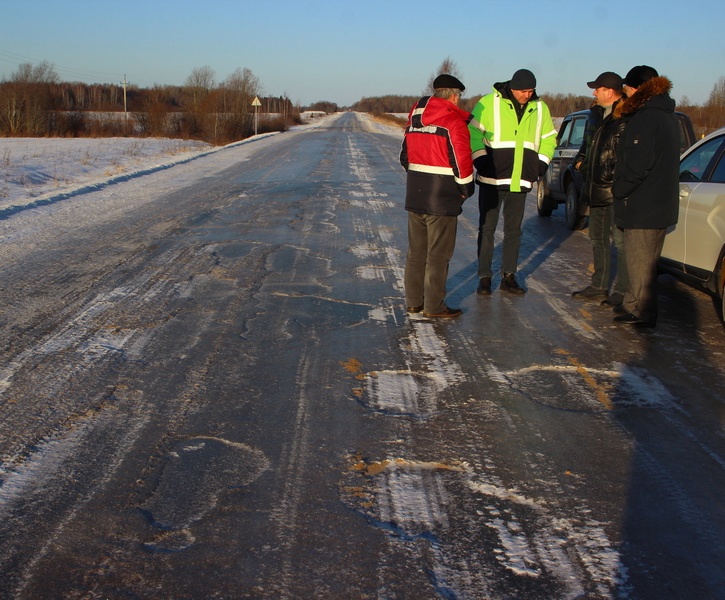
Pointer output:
645, 187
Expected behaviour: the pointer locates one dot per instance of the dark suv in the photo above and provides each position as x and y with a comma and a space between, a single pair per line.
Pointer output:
562, 183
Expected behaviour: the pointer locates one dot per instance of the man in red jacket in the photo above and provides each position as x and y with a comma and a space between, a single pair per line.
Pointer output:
436, 155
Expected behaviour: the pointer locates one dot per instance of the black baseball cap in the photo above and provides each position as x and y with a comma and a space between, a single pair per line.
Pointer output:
608, 79
448, 81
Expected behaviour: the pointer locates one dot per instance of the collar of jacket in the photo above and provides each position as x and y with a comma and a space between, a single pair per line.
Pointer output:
657, 86
436, 107
503, 89
616, 107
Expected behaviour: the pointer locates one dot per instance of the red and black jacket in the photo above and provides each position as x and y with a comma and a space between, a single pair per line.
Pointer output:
436, 154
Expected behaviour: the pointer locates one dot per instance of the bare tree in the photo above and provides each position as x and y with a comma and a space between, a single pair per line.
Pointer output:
714, 111
199, 84
241, 87
198, 89
238, 92
153, 119
43, 72
717, 95
447, 66
26, 100
201, 78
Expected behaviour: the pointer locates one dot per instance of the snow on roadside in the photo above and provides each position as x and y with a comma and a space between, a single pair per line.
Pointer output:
37, 171
40, 171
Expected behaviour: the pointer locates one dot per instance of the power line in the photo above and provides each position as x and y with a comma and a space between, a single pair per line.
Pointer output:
16, 59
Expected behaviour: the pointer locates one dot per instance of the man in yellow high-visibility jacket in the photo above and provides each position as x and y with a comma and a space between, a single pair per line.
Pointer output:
512, 140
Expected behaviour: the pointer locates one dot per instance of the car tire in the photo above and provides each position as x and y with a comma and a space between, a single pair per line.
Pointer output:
544, 203
573, 219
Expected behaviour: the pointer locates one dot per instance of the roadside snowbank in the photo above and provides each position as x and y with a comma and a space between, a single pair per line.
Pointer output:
39, 171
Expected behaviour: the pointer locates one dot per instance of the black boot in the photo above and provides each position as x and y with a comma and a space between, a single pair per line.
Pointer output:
510, 285
484, 286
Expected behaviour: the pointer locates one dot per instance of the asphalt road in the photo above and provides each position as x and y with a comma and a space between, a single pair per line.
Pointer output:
218, 394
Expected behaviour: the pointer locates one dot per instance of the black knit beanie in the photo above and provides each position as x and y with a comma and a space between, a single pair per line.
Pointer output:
523, 79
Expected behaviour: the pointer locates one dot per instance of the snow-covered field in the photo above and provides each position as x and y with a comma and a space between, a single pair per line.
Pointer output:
37, 171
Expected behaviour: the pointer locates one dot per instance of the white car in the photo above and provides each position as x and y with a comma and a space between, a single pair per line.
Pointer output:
695, 249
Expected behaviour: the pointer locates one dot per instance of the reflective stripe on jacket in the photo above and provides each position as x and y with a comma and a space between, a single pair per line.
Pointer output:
509, 153
436, 153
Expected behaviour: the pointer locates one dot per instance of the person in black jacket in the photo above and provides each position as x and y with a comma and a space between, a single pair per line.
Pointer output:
646, 187
597, 160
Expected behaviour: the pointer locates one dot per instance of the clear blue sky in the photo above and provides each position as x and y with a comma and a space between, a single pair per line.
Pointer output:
343, 50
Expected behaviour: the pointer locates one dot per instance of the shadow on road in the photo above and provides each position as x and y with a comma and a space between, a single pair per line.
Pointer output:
532, 255
672, 543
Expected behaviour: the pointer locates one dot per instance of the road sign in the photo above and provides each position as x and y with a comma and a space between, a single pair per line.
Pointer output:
256, 104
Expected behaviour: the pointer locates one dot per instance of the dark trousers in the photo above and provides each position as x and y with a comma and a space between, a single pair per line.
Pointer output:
642, 250
490, 200
601, 232
431, 241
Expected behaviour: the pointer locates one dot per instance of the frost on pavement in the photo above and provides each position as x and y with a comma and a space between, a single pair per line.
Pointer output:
195, 473
414, 392
477, 534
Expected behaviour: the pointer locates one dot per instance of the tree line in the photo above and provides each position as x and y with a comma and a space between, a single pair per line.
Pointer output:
559, 104
34, 102
705, 118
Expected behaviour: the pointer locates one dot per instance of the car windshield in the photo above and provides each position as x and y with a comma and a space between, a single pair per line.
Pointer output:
572, 133
692, 167
577, 133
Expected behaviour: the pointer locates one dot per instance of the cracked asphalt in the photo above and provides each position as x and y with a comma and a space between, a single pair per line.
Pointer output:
217, 393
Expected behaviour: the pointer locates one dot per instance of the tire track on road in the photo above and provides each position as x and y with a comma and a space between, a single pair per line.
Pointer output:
412, 502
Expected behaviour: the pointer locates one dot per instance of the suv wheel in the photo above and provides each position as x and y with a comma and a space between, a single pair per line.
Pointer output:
573, 219
544, 203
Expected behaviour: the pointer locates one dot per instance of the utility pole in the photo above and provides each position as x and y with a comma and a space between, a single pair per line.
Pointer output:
125, 106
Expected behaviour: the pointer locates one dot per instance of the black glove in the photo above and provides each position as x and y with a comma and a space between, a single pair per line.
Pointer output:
466, 189
482, 163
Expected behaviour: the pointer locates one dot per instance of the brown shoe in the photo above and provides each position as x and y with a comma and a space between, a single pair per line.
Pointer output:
615, 299
414, 309
445, 313
631, 319
591, 293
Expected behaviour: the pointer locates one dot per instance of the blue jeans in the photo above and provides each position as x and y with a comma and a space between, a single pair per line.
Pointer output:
431, 241
601, 232
490, 200
642, 250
